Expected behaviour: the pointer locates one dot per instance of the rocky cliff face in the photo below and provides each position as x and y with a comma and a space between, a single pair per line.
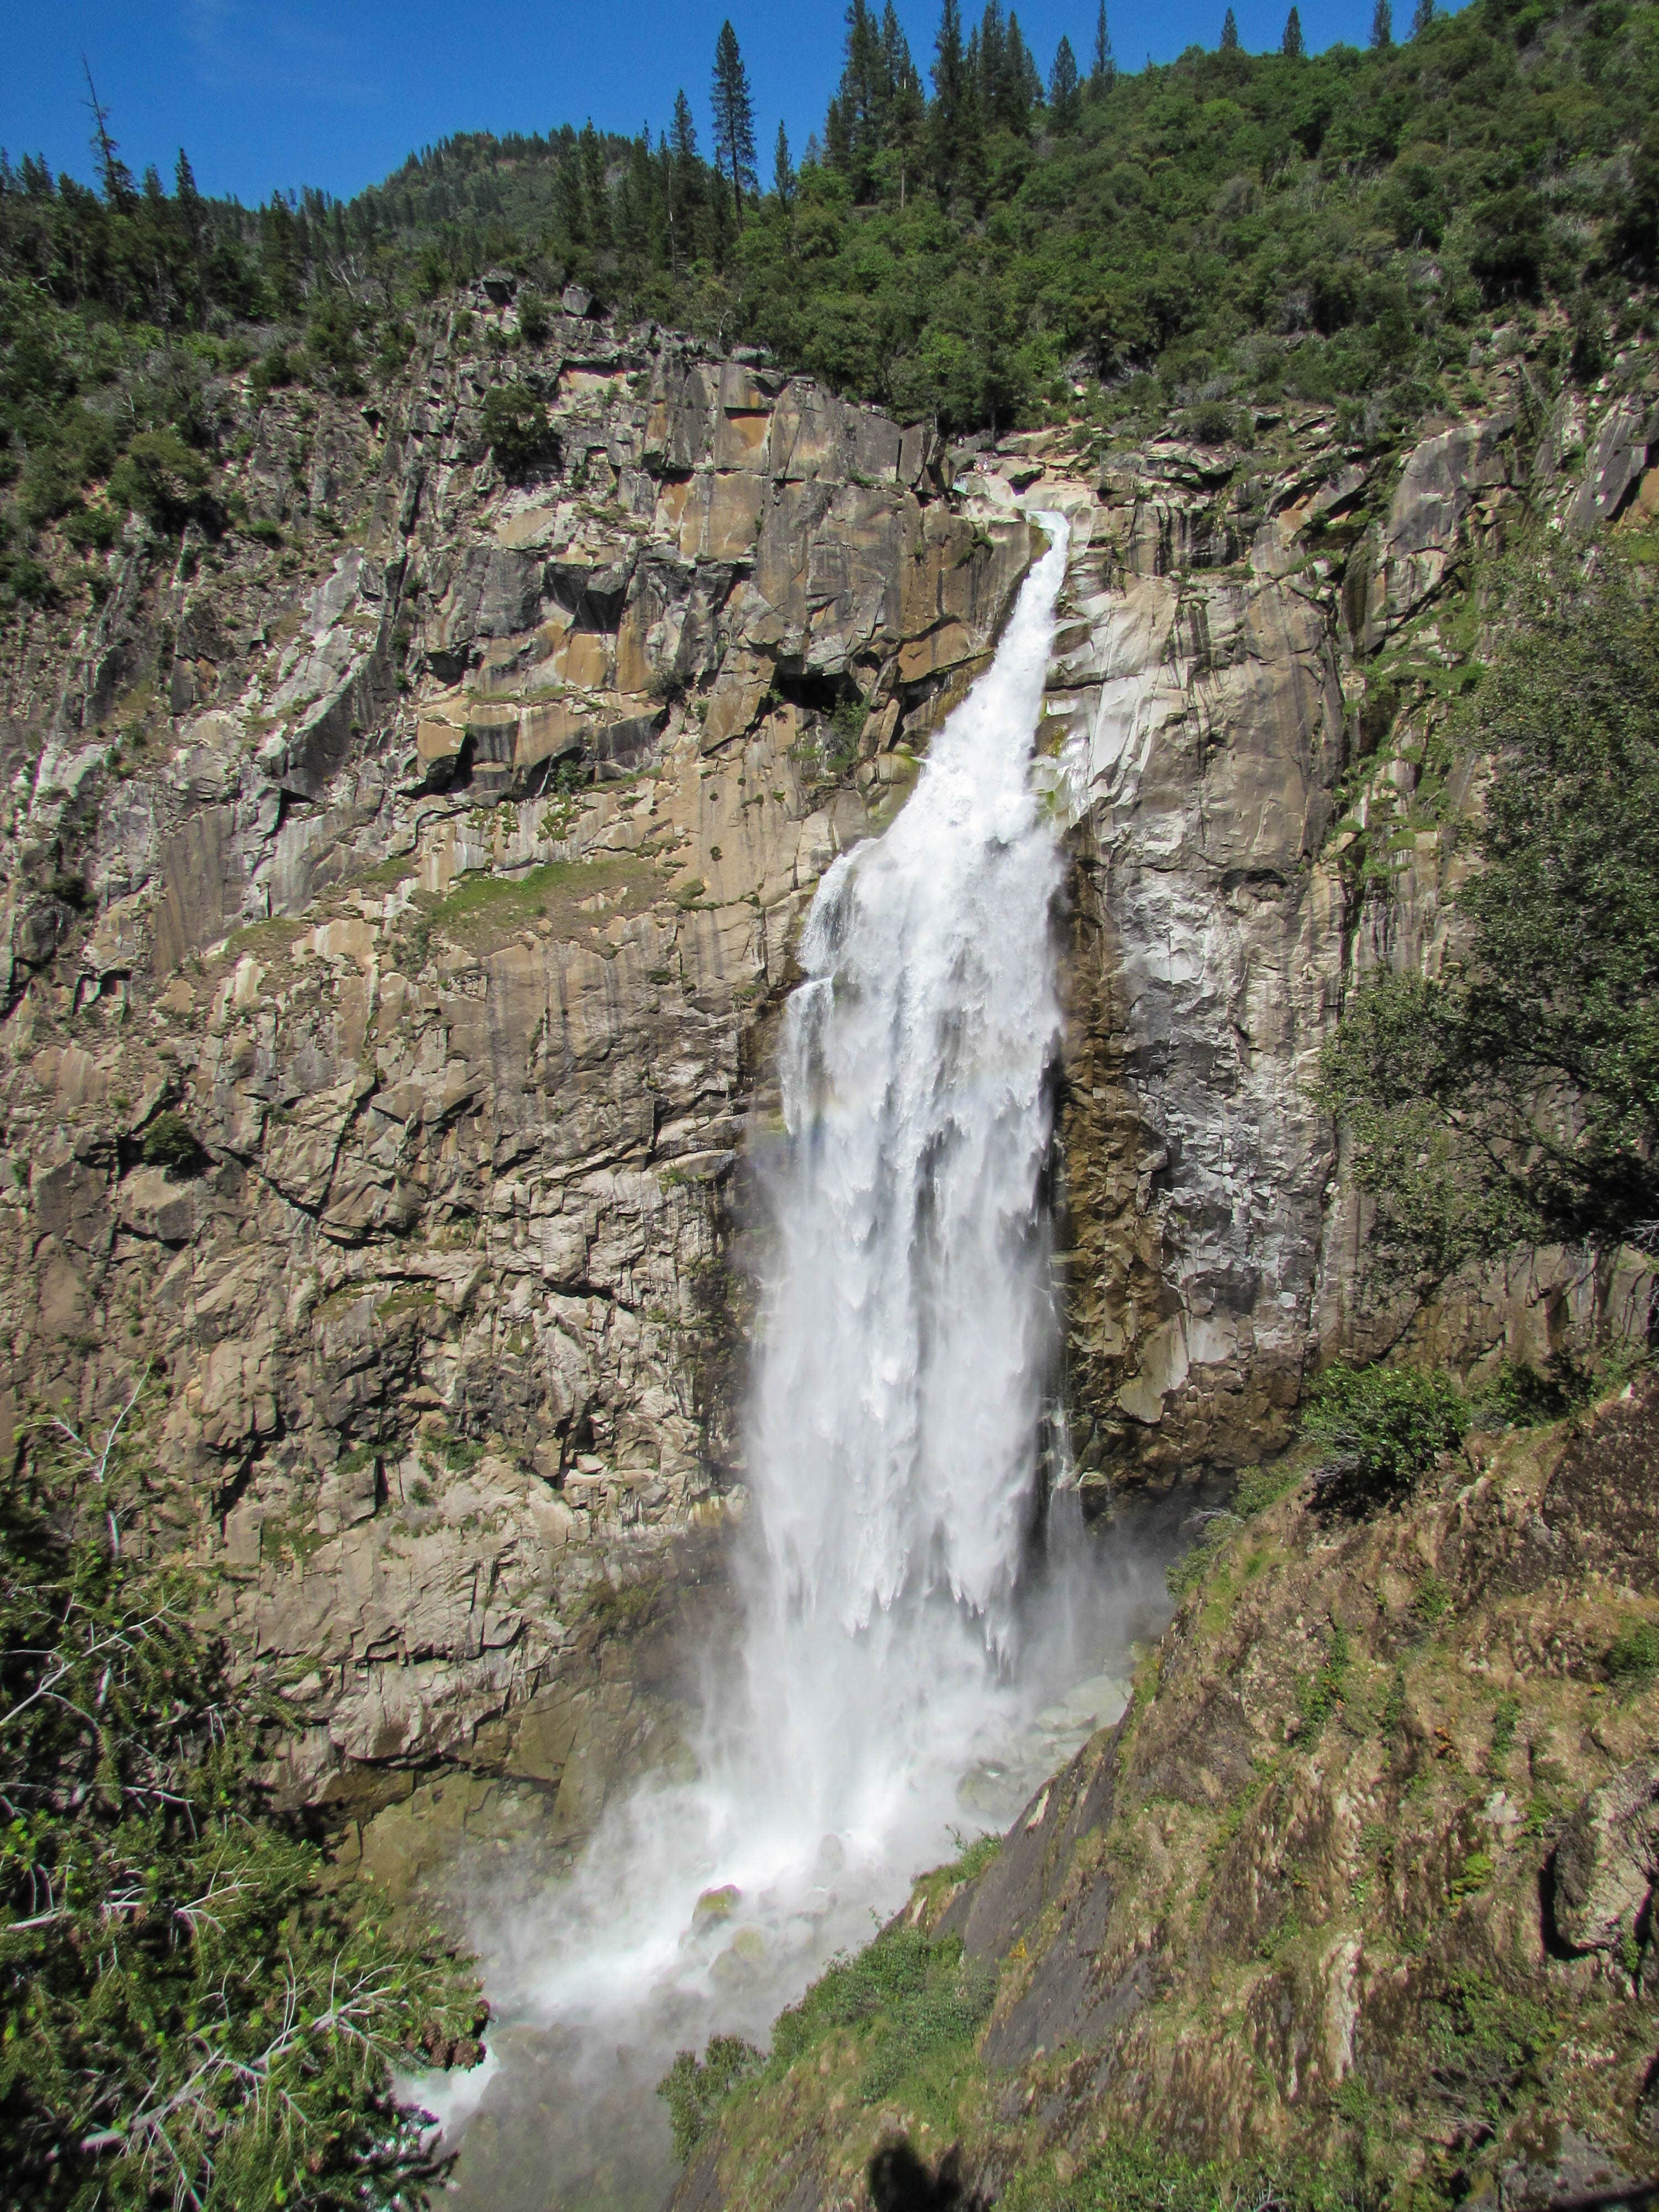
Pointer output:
394, 888
397, 888
1263, 646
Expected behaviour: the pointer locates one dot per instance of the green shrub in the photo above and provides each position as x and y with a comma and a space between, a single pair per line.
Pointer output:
1383, 1428
516, 427
695, 2089
533, 323
1187, 1573
160, 478
92, 529
189, 2012
982, 1852
912, 1994
1516, 1100
1259, 1487
1209, 424
1319, 1694
272, 370
169, 1143
1634, 1658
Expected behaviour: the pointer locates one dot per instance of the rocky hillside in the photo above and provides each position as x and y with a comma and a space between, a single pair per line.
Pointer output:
1353, 1903
394, 888
399, 882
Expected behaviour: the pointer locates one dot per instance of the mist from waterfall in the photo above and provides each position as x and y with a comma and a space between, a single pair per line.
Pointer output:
906, 1345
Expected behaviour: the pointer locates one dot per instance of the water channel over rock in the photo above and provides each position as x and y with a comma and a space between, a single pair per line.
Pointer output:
928, 1631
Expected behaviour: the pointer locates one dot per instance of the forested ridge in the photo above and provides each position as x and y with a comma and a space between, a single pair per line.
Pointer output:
1228, 230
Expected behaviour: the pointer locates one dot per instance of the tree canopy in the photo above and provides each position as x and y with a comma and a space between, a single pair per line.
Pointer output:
1515, 1099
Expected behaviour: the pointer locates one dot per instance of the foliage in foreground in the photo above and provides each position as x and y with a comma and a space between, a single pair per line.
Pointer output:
1516, 1100
185, 2018
695, 2089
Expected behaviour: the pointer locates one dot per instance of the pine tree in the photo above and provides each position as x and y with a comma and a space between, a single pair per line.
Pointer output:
1293, 47
952, 117
596, 198
907, 109
1229, 34
734, 116
187, 200
988, 55
1425, 15
1383, 26
684, 182
855, 130
1105, 67
1063, 95
783, 172
113, 173
1023, 79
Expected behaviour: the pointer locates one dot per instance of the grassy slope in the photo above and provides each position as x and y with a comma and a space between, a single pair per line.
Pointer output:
1287, 1918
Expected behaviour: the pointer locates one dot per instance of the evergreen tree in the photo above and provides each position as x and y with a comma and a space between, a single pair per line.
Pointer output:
1293, 47
1423, 16
987, 61
1229, 34
1063, 94
188, 202
1105, 67
113, 175
907, 108
596, 198
685, 182
1383, 26
1023, 78
855, 127
734, 116
783, 173
952, 117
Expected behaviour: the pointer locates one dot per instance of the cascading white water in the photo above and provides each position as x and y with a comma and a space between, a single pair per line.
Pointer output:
907, 1342
908, 1321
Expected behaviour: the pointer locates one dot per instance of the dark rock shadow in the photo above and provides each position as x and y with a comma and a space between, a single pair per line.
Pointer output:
899, 2181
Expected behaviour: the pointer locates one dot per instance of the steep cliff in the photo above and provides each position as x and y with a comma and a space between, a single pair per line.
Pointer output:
395, 885
1353, 1905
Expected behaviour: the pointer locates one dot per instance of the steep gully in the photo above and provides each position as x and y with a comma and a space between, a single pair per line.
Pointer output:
912, 1599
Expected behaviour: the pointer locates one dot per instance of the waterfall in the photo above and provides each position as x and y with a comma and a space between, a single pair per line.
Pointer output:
906, 1345
908, 1322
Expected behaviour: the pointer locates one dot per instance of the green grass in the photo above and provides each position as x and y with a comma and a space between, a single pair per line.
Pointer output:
484, 902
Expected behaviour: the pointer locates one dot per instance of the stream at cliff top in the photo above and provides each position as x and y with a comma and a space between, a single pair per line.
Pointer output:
925, 1635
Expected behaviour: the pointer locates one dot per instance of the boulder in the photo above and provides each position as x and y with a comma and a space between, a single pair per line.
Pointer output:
1607, 1860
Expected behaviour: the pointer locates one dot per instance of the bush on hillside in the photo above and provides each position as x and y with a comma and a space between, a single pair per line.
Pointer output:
1381, 1429
695, 2089
516, 428
160, 478
170, 1142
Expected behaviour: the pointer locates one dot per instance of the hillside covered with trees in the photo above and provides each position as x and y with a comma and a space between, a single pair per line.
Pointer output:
980, 250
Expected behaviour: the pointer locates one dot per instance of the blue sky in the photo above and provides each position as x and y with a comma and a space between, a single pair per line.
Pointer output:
281, 93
